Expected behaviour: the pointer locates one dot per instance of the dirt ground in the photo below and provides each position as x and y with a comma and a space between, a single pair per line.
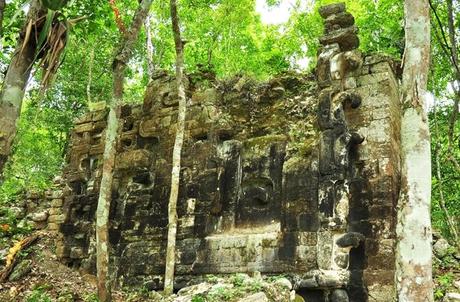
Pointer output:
48, 279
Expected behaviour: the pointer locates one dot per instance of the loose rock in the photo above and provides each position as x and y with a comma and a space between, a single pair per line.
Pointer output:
441, 248
258, 297
39, 216
284, 282
451, 297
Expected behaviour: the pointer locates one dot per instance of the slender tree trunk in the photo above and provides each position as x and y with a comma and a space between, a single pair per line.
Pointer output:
149, 45
454, 54
2, 12
15, 82
176, 159
90, 75
120, 61
413, 246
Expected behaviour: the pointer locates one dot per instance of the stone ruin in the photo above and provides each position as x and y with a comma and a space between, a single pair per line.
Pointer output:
296, 176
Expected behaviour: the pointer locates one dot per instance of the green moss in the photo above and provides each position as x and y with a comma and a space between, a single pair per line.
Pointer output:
262, 142
293, 163
266, 243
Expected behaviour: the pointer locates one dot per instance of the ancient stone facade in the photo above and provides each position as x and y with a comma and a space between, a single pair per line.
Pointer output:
296, 176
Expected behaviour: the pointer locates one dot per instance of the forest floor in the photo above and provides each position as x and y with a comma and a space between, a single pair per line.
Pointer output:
45, 279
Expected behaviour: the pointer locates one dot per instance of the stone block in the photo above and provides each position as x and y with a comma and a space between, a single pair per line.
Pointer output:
39, 216
53, 226
331, 9
346, 38
134, 159
56, 218
56, 203
54, 211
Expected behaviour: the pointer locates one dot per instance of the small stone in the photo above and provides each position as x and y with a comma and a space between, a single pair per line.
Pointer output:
292, 295
452, 297
339, 295
39, 217
76, 252
194, 289
258, 297
441, 248
284, 282
351, 239
22, 269
33, 194
457, 284
57, 179
155, 296
18, 212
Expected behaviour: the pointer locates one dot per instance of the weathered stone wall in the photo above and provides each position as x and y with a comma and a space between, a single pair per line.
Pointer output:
296, 176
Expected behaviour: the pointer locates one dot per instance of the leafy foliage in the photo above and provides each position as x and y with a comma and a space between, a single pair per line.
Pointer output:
39, 295
449, 182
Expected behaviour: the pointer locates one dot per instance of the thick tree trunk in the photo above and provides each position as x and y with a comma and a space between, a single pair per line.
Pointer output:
14, 84
413, 247
120, 61
176, 159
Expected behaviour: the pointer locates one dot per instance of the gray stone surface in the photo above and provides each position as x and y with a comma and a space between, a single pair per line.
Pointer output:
339, 295
441, 248
39, 216
451, 297
257, 297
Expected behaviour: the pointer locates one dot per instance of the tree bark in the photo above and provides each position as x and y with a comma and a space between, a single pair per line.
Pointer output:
15, 82
413, 246
454, 54
121, 58
90, 75
2, 12
176, 158
149, 46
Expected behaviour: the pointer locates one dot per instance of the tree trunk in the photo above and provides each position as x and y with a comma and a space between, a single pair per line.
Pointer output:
454, 54
176, 158
14, 84
2, 13
90, 75
413, 246
149, 46
120, 61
